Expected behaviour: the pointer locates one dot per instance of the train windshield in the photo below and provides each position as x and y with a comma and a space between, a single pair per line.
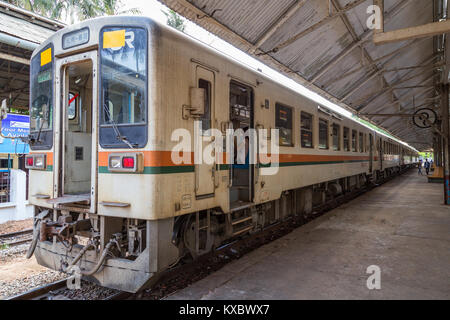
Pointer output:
41, 108
124, 87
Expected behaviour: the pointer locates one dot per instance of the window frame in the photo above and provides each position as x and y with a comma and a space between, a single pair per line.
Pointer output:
46, 135
309, 130
76, 106
126, 128
327, 134
361, 142
278, 106
354, 147
333, 126
348, 139
208, 99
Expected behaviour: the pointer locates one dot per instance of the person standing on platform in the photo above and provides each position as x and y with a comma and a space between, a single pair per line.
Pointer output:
427, 167
420, 167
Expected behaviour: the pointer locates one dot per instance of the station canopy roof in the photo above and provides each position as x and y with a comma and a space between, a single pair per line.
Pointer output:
327, 46
20, 32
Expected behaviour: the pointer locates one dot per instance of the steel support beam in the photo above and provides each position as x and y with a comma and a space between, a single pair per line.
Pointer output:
12, 58
364, 37
317, 25
275, 27
423, 31
390, 88
362, 82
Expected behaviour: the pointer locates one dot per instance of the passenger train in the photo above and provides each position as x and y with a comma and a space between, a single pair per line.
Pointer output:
107, 96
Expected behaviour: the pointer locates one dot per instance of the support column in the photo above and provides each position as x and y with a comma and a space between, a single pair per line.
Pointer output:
445, 141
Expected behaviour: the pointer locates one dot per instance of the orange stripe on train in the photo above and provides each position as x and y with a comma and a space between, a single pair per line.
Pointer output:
164, 158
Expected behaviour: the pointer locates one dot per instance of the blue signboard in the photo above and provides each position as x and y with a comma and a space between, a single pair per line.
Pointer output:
13, 146
16, 125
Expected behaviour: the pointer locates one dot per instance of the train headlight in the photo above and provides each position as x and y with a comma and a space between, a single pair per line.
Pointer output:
126, 162
39, 162
35, 161
115, 162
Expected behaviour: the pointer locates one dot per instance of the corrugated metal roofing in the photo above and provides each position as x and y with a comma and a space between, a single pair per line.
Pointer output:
329, 58
23, 29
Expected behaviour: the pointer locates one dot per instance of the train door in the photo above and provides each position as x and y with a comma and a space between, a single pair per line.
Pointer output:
77, 148
370, 153
381, 153
241, 170
204, 170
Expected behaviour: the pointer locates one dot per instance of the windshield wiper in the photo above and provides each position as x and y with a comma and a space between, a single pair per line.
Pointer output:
119, 136
30, 139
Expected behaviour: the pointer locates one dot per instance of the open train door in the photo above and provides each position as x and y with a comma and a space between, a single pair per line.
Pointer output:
204, 171
76, 146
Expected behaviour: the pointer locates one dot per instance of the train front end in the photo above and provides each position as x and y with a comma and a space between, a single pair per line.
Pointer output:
89, 109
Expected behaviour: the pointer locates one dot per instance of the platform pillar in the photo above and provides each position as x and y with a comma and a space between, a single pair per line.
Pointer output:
445, 141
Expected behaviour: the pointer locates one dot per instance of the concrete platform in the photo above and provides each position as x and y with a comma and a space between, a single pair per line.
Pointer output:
402, 227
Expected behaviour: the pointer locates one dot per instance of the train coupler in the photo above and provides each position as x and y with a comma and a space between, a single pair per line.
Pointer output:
64, 229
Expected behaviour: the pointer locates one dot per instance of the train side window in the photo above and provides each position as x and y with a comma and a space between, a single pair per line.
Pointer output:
361, 142
336, 137
306, 131
206, 117
323, 134
346, 139
283, 122
366, 143
354, 135
72, 110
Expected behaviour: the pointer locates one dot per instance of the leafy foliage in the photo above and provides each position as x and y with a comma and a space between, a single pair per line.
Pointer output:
74, 10
174, 20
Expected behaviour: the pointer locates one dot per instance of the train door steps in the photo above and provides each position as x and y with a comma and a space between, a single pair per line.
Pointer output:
240, 205
242, 219
71, 199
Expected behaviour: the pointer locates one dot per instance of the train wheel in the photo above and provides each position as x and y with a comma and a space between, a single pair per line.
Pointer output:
206, 236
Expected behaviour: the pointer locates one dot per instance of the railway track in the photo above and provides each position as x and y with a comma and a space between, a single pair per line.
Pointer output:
16, 238
186, 273
59, 291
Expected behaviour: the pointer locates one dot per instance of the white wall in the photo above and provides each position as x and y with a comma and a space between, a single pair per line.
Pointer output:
18, 208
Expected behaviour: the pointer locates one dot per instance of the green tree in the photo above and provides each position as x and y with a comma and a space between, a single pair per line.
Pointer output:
114, 7
48, 8
74, 10
174, 20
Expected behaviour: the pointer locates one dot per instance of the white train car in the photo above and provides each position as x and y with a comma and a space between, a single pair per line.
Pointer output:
108, 97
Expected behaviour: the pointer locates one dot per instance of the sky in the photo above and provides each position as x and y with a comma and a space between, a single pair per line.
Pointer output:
153, 9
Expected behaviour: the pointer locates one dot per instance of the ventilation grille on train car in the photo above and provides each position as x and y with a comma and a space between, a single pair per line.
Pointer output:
79, 153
